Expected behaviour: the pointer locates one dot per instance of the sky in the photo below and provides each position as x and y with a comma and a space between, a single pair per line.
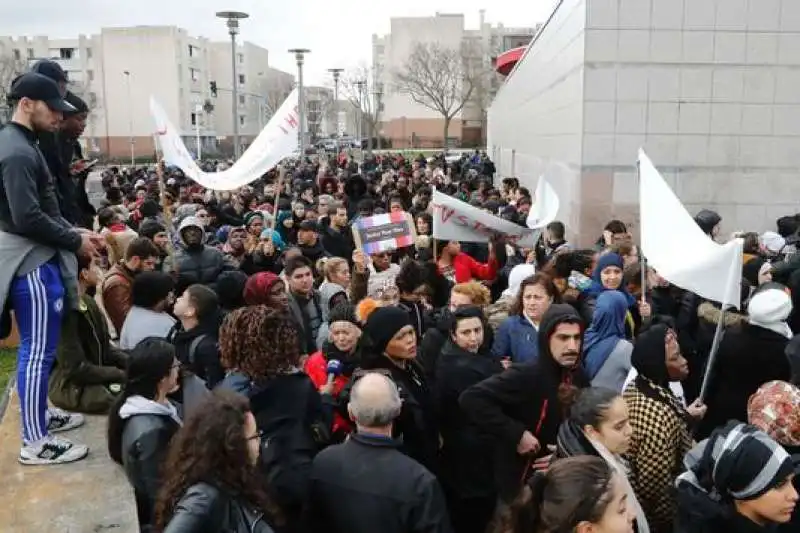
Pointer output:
338, 33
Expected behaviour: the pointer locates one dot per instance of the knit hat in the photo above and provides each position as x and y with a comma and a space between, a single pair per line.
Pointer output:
344, 312
383, 324
737, 462
774, 410
256, 290
769, 307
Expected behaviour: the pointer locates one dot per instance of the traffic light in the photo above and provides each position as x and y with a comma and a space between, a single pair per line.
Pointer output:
213, 86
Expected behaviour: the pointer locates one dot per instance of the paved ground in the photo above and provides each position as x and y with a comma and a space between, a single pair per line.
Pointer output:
89, 496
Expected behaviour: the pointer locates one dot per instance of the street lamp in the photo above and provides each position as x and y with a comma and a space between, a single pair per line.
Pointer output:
337, 72
232, 18
130, 117
360, 85
299, 56
377, 97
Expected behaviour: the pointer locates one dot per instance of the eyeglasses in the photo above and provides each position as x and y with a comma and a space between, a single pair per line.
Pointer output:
257, 435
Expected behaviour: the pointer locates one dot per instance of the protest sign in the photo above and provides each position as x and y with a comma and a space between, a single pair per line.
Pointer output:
545, 205
381, 233
454, 220
276, 141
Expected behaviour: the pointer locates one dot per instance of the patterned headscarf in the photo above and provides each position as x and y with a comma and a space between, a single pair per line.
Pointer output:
775, 410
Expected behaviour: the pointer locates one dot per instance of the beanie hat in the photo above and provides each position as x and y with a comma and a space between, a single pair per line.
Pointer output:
737, 462
383, 324
344, 312
256, 290
769, 307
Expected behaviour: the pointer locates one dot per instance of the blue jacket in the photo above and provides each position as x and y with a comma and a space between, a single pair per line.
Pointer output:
518, 339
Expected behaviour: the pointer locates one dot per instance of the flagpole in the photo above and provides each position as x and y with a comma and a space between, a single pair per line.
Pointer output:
712, 356
278, 189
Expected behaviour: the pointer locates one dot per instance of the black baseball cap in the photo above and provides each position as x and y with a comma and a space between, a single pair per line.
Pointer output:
39, 87
51, 69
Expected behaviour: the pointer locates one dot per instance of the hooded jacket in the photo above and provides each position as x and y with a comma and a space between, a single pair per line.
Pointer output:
524, 398
197, 264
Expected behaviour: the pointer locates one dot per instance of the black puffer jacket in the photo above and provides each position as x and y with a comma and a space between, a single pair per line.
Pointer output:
206, 508
199, 264
523, 398
145, 441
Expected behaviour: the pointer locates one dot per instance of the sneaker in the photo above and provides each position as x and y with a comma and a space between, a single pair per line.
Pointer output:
59, 420
53, 451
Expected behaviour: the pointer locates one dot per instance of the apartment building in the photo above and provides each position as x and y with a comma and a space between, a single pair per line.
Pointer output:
409, 124
118, 69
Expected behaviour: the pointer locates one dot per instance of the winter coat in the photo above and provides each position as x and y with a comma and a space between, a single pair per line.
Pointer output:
207, 508
147, 431
86, 362
516, 339
437, 336
338, 243
523, 398
202, 264
746, 359
316, 367
116, 290
466, 268
395, 494
464, 470
203, 361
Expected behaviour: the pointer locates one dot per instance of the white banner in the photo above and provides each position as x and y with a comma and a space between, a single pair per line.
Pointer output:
454, 220
711, 270
545, 205
276, 141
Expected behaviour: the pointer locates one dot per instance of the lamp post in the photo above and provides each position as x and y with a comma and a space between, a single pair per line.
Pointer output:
233, 18
127, 74
360, 85
377, 97
337, 72
299, 56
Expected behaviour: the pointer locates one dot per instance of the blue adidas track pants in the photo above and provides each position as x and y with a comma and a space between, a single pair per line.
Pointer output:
38, 302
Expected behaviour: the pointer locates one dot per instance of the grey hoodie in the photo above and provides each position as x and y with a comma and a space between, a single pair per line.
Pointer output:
139, 405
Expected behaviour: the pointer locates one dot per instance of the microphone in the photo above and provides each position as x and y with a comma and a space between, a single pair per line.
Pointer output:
334, 369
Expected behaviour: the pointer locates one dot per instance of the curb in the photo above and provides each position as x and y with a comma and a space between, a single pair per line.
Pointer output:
5, 397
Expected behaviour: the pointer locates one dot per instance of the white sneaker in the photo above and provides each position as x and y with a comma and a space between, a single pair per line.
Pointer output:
53, 451
60, 420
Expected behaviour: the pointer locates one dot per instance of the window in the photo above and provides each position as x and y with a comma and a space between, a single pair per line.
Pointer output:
31, 54
90, 75
191, 51
241, 79
241, 120
194, 119
17, 54
88, 53
241, 99
67, 53
240, 58
195, 74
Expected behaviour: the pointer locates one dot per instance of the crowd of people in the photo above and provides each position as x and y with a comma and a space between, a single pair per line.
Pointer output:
262, 373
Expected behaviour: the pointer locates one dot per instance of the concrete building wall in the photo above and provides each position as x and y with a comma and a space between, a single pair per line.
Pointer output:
709, 89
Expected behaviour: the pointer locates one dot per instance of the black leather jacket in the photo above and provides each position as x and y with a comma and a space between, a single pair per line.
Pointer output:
205, 508
145, 441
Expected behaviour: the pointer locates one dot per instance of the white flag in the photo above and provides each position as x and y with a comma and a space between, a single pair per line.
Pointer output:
545, 207
276, 141
678, 249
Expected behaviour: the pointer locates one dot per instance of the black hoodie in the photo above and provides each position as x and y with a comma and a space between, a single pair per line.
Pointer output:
524, 398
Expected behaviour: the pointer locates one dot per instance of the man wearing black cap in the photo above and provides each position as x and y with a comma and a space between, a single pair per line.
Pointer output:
38, 267
59, 149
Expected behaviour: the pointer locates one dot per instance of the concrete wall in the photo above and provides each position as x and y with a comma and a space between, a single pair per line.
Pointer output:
710, 88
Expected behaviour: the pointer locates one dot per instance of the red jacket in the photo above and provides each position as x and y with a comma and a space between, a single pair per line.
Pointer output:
467, 268
316, 367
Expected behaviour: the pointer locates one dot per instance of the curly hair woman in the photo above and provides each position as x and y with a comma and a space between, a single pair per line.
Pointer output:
260, 348
212, 483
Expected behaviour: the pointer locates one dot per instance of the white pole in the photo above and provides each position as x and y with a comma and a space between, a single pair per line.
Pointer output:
197, 113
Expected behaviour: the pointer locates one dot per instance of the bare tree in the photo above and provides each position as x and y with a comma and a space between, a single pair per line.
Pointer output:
276, 90
439, 78
360, 86
10, 68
